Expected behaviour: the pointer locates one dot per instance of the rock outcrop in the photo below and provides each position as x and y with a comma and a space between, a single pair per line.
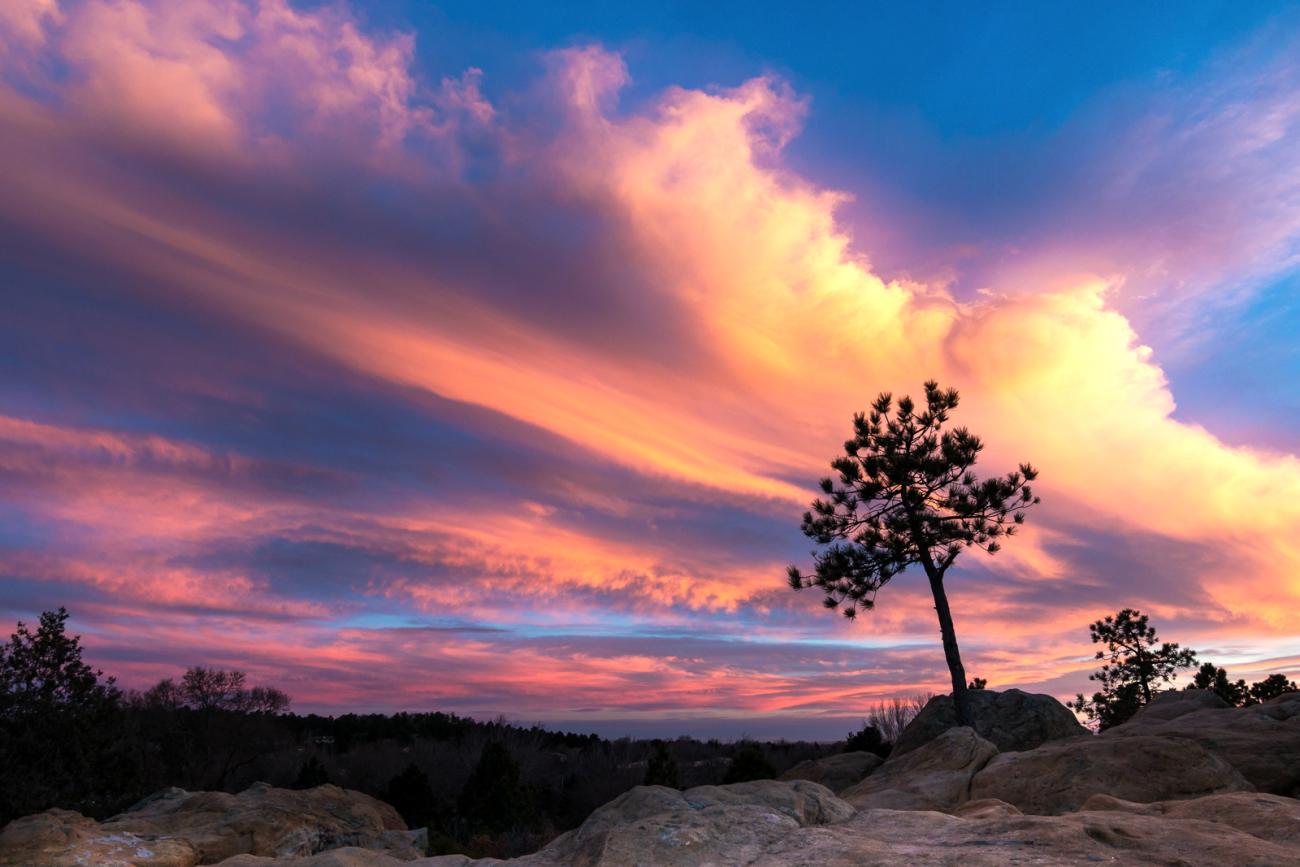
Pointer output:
1238, 829
708, 824
1060, 777
937, 776
836, 772
1173, 703
1262, 741
1009, 719
1172, 786
179, 829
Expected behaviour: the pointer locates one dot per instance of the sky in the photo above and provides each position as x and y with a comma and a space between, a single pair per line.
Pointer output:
483, 357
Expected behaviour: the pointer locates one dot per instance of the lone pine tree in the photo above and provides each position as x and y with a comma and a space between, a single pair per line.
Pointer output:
906, 496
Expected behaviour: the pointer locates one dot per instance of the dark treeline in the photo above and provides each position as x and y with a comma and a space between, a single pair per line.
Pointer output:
70, 738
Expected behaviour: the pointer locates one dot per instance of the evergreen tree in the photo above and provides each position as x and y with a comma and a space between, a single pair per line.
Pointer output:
1271, 687
412, 796
60, 724
906, 496
1215, 679
749, 762
494, 798
661, 770
312, 774
1136, 664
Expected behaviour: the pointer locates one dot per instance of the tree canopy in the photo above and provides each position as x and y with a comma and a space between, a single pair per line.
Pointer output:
905, 495
1236, 693
1215, 679
1136, 663
58, 744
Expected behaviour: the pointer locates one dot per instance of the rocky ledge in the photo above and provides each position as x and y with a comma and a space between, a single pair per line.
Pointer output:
1187, 782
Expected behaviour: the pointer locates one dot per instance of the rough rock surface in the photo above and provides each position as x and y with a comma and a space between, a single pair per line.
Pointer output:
836, 772
62, 838
1059, 777
1269, 817
1261, 741
1174, 703
1241, 829
1135, 795
937, 776
706, 824
175, 827
1009, 719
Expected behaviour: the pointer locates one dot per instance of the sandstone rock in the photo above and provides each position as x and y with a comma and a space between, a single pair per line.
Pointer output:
767, 824
986, 808
1120, 834
1174, 703
1269, 817
62, 838
1059, 777
348, 856
936, 776
1009, 719
1262, 741
651, 825
885, 837
837, 772
175, 827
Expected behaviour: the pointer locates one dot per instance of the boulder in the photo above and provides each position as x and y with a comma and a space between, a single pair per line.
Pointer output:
836, 772
1009, 719
1061, 776
62, 838
1262, 741
936, 776
1173, 703
1237, 829
652, 825
187, 828
775, 824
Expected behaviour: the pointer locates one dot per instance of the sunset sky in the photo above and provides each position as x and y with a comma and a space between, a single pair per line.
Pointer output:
482, 357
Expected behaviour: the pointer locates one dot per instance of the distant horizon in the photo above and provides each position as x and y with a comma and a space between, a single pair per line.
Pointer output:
467, 357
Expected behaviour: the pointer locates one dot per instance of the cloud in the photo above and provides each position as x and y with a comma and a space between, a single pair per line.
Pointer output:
363, 347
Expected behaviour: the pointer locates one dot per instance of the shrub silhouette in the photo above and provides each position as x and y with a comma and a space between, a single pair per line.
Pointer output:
906, 496
1215, 679
661, 770
749, 763
222, 723
412, 796
868, 740
1135, 665
311, 774
978, 683
1271, 687
495, 799
1236, 693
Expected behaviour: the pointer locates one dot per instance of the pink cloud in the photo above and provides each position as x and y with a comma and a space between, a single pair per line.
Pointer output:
777, 329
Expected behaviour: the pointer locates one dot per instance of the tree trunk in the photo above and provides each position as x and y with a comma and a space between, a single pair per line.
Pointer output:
1144, 675
950, 652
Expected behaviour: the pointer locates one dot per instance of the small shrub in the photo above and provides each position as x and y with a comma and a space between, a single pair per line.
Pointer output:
749, 762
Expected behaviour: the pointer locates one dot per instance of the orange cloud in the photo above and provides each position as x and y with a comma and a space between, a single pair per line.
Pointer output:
778, 330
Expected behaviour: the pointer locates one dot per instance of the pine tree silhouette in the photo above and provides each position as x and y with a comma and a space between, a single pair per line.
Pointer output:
906, 496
